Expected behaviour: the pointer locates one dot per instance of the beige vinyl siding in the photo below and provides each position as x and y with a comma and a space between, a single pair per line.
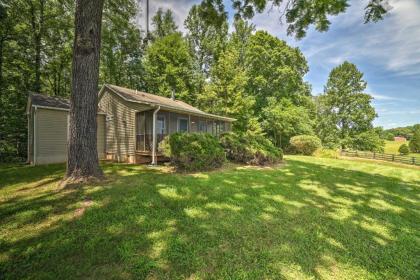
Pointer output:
120, 124
51, 129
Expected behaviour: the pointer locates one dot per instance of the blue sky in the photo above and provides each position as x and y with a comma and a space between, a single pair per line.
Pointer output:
388, 52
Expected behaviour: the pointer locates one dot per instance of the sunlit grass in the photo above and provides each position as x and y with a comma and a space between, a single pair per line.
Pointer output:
310, 218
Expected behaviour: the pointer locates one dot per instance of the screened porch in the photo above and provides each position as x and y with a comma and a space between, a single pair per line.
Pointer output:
170, 122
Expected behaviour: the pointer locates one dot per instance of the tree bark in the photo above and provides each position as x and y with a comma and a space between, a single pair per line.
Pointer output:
38, 33
1, 61
83, 163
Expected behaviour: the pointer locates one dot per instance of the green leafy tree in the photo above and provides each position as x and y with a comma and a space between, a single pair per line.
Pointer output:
300, 15
344, 111
406, 132
415, 141
225, 95
283, 120
169, 69
207, 38
121, 48
163, 23
274, 69
239, 39
365, 141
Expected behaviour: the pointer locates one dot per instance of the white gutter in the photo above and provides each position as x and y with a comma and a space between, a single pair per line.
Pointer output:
154, 161
34, 135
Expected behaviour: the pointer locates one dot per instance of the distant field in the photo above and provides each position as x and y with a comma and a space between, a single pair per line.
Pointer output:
391, 147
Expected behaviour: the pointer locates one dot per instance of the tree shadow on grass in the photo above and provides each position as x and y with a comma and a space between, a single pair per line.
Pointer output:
301, 221
21, 174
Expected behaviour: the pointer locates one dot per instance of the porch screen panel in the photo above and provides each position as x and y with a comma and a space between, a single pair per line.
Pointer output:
140, 131
194, 124
149, 129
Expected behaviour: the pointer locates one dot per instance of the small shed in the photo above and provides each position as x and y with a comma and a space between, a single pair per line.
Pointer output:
48, 125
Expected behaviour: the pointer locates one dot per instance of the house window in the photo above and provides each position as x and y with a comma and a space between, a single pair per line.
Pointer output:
160, 125
202, 126
182, 125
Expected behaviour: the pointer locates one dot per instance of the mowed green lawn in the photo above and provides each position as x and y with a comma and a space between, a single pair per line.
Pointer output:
311, 218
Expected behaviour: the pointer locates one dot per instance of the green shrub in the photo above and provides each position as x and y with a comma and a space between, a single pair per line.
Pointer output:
404, 150
9, 153
250, 149
326, 153
305, 144
193, 151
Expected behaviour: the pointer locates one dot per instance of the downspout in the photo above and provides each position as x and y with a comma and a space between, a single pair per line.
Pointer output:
154, 161
28, 156
34, 135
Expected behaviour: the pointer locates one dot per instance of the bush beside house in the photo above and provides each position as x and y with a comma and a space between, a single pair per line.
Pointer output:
202, 151
193, 151
250, 149
304, 144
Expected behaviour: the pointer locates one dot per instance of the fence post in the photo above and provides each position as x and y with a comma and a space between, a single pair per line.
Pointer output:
413, 159
393, 157
374, 155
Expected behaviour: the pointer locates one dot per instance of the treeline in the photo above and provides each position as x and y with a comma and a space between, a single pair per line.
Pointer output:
405, 131
250, 75
36, 38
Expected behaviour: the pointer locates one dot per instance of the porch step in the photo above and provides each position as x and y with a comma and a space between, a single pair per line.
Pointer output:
146, 157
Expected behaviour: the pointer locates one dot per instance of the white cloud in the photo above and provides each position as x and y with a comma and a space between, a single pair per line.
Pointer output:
180, 9
393, 43
382, 97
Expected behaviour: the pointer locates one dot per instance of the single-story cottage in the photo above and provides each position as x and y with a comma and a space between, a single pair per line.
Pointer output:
131, 124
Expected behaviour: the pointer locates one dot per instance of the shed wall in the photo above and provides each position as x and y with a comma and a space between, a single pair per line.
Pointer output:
51, 134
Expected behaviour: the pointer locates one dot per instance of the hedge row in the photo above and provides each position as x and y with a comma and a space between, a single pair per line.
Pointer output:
201, 151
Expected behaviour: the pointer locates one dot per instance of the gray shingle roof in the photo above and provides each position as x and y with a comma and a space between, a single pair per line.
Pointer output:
49, 101
53, 102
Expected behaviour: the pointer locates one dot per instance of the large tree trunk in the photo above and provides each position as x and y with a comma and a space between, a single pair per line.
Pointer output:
83, 163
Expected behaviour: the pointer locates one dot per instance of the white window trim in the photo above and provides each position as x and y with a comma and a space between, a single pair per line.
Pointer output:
178, 124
